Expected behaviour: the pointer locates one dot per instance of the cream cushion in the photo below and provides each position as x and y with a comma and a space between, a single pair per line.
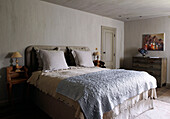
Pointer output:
40, 62
84, 58
53, 60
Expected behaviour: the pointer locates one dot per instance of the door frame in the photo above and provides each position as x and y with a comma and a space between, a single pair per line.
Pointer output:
114, 42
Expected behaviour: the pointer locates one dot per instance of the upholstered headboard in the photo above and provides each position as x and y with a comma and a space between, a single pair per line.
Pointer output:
31, 61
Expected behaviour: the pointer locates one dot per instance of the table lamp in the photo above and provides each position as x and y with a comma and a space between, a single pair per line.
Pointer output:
16, 55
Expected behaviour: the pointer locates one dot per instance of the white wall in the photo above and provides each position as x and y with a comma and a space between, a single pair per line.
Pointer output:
35, 22
133, 38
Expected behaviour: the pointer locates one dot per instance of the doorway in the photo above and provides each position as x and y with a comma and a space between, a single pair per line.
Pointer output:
108, 47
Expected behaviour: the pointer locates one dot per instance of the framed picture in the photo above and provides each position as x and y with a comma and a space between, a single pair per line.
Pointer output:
153, 42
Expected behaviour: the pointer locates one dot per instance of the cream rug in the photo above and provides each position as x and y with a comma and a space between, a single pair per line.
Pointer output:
161, 111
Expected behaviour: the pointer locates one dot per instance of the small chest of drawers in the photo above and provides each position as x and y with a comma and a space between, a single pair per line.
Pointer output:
157, 67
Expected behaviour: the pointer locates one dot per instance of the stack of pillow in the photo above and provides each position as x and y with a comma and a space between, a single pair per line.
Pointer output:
57, 59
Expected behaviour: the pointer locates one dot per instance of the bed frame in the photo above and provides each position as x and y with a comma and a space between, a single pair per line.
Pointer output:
58, 110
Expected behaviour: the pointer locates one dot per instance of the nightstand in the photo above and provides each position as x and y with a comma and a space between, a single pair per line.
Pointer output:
99, 63
15, 77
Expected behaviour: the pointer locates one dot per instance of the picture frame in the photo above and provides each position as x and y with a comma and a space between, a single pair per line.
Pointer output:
153, 42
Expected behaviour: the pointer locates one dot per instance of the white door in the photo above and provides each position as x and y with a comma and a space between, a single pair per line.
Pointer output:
108, 47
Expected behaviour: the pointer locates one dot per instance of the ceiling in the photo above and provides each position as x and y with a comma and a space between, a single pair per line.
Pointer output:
124, 10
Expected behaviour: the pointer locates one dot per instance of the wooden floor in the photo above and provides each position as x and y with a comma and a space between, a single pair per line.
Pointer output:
164, 94
30, 111
21, 111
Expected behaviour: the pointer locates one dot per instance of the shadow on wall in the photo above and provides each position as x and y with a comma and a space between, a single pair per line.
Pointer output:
128, 54
121, 63
8, 56
127, 63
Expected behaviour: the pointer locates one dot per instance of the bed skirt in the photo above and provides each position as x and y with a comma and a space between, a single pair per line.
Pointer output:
58, 109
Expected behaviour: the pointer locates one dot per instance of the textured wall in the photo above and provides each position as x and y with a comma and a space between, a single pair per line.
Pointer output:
133, 38
35, 22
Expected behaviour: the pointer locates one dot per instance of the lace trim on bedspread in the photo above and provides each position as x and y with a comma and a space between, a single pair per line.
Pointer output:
151, 94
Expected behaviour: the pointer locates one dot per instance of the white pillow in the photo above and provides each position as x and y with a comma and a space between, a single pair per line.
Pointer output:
53, 60
84, 58
40, 62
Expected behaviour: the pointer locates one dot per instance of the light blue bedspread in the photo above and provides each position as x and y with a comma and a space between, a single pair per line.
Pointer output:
100, 92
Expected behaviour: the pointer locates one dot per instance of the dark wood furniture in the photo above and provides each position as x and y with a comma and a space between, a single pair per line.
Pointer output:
157, 67
99, 63
15, 77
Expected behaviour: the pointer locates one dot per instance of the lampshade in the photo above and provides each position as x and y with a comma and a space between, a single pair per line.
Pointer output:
16, 55
97, 53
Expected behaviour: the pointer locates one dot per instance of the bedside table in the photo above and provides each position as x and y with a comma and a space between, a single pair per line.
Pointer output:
15, 77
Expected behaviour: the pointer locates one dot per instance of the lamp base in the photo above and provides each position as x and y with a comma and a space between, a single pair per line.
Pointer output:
17, 66
17, 70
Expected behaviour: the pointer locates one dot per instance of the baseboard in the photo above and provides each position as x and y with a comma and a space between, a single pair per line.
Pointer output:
168, 84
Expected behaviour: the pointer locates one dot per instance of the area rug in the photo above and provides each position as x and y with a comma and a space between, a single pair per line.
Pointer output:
161, 111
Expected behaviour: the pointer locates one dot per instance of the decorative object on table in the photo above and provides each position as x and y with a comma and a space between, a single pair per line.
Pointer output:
154, 42
143, 51
99, 63
97, 53
16, 55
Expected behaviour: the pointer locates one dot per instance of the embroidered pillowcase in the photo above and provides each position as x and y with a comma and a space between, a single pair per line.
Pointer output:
53, 60
83, 58
40, 62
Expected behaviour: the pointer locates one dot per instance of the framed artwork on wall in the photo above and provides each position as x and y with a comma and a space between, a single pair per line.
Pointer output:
153, 42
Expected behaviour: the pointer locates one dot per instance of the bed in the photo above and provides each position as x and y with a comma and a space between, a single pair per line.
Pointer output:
59, 106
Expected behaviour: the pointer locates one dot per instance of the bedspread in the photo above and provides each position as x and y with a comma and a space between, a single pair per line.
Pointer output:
100, 92
47, 82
